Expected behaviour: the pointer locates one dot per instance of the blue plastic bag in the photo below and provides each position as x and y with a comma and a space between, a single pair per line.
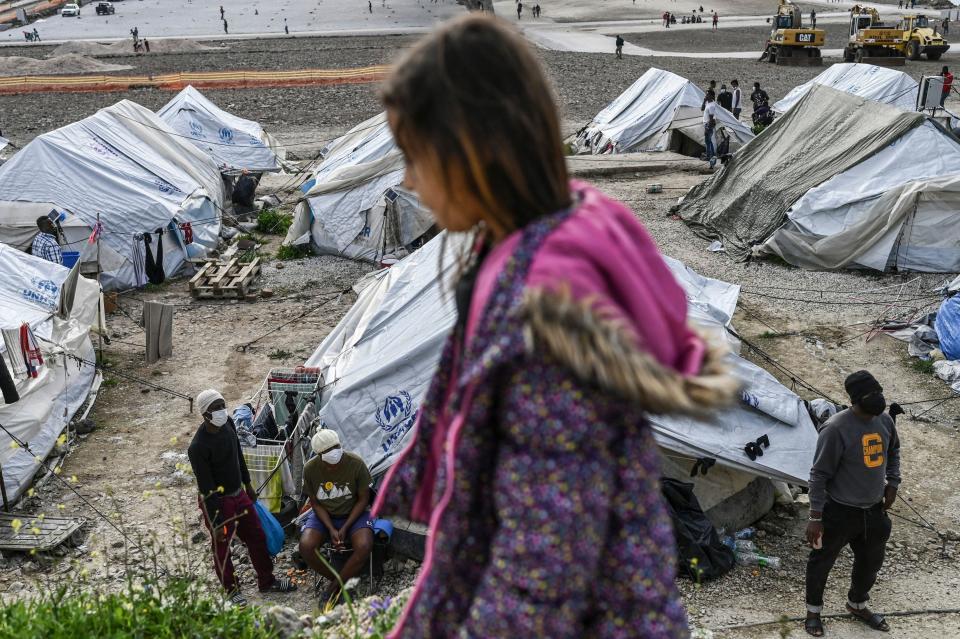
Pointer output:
947, 326
271, 528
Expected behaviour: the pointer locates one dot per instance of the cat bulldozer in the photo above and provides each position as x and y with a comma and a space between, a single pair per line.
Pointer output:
790, 44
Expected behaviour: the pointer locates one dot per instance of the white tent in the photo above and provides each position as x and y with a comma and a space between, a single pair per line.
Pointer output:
354, 205
839, 181
378, 362
880, 84
659, 112
232, 142
126, 165
897, 209
30, 291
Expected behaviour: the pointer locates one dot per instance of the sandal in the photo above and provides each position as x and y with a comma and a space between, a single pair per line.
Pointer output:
814, 626
281, 584
872, 619
238, 600
331, 598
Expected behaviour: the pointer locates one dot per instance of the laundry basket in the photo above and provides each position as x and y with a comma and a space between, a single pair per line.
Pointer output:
261, 461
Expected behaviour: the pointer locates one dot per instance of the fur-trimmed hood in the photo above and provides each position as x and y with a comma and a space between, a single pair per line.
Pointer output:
601, 349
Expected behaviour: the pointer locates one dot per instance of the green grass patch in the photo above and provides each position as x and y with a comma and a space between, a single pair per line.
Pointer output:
293, 251
273, 222
924, 366
161, 610
279, 353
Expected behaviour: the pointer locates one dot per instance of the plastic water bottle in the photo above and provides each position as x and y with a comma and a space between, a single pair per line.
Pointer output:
738, 545
745, 545
746, 533
756, 559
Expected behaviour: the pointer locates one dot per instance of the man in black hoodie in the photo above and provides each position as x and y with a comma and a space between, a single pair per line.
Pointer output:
227, 498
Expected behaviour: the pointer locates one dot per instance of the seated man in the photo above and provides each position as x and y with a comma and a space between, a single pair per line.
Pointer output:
338, 485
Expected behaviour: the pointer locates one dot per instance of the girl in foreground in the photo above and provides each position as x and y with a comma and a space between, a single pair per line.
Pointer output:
532, 461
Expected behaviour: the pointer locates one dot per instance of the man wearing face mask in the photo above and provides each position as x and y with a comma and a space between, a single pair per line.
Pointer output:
226, 498
854, 480
338, 486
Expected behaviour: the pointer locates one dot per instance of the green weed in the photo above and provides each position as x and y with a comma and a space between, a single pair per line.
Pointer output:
273, 222
924, 366
293, 251
279, 353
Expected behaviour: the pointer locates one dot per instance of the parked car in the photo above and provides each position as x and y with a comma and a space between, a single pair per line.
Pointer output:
71, 10
105, 9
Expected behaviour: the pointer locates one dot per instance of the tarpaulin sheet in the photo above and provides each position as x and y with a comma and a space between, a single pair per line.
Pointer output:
30, 290
644, 117
231, 141
126, 165
345, 211
826, 133
880, 84
379, 360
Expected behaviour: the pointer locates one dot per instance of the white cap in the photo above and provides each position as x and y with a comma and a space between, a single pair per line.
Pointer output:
324, 440
206, 398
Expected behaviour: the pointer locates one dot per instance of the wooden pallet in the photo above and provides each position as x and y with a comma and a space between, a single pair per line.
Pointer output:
34, 534
229, 279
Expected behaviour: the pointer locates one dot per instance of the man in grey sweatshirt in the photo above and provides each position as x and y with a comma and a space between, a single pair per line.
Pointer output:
854, 480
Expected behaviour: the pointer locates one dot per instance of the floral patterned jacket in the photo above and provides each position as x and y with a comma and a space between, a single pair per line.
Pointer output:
546, 518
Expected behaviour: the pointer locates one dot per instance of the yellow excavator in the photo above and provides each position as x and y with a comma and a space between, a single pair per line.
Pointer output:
790, 44
891, 44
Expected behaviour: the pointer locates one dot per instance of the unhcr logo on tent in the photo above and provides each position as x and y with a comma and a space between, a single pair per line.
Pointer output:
43, 292
196, 130
396, 417
226, 135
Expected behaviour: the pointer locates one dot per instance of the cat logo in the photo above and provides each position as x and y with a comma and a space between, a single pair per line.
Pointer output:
872, 450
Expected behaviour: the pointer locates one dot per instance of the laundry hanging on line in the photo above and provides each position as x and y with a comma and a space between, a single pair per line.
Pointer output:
30, 350
139, 272
11, 341
154, 268
187, 231
95, 235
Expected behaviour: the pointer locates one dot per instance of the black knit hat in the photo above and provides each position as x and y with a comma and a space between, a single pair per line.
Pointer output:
861, 384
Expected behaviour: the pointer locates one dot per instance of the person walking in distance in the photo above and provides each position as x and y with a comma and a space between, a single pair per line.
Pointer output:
947, 84
370, 6
853, 482
619, 43
716, 19
519, 9
532, 458
225, 29
221, 12
226, 498
737, 104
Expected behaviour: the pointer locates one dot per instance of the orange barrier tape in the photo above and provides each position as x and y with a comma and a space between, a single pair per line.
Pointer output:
177, 81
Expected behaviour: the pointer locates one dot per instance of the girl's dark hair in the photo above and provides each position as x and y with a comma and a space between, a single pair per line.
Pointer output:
473, 98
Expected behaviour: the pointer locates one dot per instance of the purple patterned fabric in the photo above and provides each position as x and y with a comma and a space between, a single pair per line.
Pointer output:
552, 523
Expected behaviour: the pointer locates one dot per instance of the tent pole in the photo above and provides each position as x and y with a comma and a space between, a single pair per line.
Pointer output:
3, 490
100, 319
